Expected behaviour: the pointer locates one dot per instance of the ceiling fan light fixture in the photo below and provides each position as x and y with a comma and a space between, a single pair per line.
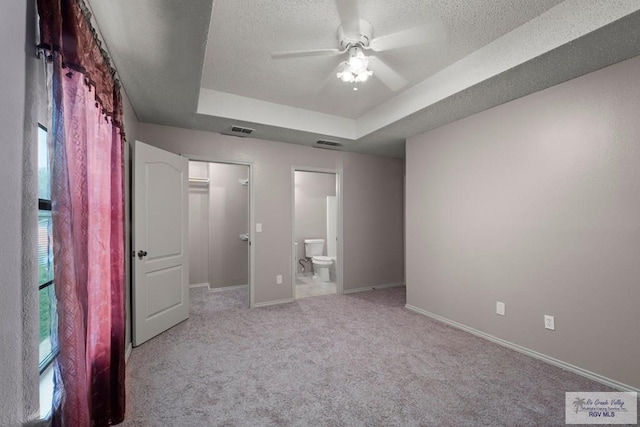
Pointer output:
348, 77
355, 70
357, 62
345, 76
362, 77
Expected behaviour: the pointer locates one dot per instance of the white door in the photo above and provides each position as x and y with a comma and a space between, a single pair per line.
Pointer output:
160, 241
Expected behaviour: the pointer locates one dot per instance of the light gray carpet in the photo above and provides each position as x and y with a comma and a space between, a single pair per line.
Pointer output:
336, 360
205, 302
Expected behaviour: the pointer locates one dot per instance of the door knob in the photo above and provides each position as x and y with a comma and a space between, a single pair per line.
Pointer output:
142, 254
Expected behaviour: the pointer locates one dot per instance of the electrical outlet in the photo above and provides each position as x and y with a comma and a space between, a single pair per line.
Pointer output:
549, 322
500, 308
279, 279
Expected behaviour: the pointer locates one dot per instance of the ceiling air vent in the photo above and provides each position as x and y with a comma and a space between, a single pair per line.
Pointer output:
241, 131
329, 143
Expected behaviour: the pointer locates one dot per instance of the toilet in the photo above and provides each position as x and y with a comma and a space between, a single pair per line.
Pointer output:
321, 264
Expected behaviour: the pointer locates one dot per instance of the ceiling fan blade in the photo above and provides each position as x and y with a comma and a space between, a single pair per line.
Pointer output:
428, 33
331, 78
386, 74
303, 53
349, 14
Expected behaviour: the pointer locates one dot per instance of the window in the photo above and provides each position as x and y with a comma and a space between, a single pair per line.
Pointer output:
47, 301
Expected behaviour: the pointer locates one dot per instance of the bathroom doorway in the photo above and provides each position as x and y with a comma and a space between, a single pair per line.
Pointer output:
316, 238
219, 235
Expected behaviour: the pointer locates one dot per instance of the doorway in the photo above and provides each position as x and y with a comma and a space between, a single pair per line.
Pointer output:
219, 235
316, 244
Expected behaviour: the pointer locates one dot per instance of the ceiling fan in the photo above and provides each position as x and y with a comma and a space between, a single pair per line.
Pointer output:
355, 36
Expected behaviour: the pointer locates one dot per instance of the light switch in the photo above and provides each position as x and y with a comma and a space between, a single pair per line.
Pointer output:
258, 227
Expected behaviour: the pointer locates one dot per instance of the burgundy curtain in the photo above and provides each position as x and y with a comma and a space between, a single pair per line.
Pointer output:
88, 220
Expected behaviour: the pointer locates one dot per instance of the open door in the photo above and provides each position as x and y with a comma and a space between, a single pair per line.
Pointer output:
160, 241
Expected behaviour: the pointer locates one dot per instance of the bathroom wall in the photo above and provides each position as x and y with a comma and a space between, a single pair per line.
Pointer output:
373, 207
311, 191
536, 203
228, 218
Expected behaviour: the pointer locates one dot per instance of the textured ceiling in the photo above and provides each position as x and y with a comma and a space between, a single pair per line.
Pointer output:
244, 32
194, 64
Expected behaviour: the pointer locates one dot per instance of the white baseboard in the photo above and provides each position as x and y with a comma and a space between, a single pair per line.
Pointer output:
371, 288
199, 285
268, 303
226, 288
127, 352
567, 366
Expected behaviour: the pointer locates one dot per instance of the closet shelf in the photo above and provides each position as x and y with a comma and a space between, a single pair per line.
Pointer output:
198, 181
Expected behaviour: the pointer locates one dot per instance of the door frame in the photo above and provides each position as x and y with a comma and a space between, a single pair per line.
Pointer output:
339, 248
209, 159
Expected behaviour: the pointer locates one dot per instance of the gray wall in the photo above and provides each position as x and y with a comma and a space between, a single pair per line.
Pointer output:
373, 221
229, 217
198, 225
373, 204
311, 191
536, 203
218, 214
130, 128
